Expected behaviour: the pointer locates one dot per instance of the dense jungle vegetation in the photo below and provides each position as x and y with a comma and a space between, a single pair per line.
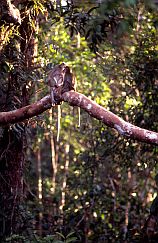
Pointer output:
93, 185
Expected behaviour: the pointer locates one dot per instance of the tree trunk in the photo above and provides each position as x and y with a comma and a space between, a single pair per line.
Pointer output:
11, 181
20, 53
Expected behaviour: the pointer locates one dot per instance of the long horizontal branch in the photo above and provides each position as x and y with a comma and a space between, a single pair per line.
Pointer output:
110, 119
26, 112
76, 99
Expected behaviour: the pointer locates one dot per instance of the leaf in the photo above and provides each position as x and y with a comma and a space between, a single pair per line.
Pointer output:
71, 233
72, 239
61, 235
91, 10
58, 241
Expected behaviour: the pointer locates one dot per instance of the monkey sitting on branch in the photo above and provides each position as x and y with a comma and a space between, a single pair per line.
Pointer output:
60, 80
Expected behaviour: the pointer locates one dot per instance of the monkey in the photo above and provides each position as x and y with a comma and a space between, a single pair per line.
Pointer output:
56, 80
60, 80
70, 83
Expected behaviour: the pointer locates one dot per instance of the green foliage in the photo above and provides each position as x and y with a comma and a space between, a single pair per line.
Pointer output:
106, 175
109, 180
58, 238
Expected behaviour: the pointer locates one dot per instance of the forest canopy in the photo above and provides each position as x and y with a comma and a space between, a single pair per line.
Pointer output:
90, 183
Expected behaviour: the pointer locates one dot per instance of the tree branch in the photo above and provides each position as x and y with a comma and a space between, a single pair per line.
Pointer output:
110, 119
76, 99
26, 112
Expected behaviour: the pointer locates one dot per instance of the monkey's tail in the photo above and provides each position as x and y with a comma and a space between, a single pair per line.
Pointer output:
79, 117
58, 126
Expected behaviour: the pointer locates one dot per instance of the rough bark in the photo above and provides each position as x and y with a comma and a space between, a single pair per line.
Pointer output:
11, 182
12, 139
124, 128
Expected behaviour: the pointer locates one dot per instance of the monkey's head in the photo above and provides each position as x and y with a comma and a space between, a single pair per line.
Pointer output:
67, 70
56, 75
